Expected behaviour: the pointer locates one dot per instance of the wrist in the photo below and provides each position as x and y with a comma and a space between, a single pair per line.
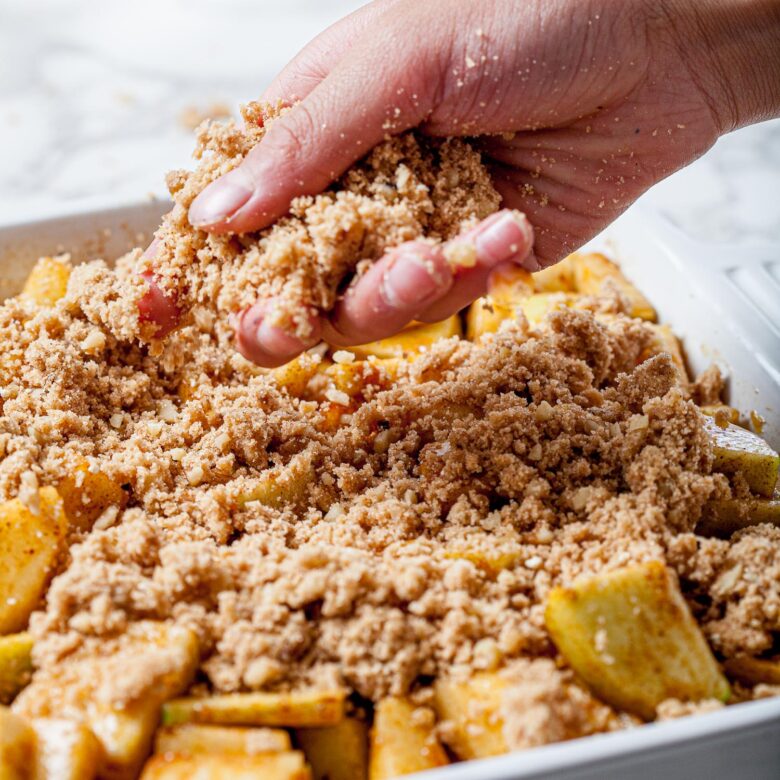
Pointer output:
731, 49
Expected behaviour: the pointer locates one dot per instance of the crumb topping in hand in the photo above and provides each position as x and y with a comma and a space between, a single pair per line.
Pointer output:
408, 187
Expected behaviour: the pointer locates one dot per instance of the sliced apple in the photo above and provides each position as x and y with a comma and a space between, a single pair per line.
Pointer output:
299, 708
65, 750
351, 378
48, 281
86, 494
753, 671
490, 560
630, 636
664, 340
191, 738
295, 375
536, 307
337, 752
31, 539
15, 664
227, 766
556, 278
508, 287
17, 746
411, 340
473, 708
739, 451
723, 517
280, 485
80, 689
591, 272
400, 744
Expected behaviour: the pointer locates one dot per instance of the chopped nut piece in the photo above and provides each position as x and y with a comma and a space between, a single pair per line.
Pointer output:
196, 475
461, 254
343, 357
638, 422
544, 411
167, 411
337, 396
94, 342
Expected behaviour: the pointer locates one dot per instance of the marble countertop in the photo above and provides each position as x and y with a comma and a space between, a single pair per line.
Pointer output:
94, 98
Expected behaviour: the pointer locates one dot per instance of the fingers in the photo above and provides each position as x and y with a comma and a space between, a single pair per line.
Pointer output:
504, 237
393, 292
155, 306
365, 97
158, 308
256, 338
418, 281
262, 343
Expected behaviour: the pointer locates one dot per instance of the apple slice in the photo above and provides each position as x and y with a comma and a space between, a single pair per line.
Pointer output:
298, 708
630, 636
740, 451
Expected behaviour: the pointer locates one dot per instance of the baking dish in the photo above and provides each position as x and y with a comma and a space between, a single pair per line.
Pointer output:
722, 302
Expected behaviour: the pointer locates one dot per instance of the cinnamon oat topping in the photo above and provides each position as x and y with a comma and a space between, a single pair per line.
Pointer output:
375, 575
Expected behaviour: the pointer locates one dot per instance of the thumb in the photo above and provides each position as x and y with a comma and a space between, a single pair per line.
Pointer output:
374, 94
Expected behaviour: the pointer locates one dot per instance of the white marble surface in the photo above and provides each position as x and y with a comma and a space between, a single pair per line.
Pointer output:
91, 95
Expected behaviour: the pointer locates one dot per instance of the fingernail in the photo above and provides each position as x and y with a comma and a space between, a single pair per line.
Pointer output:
410, 281
272, 338
506, 237
256, 340
151, 250
218, 202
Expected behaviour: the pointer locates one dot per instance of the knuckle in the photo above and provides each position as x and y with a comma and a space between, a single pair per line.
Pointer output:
296, 132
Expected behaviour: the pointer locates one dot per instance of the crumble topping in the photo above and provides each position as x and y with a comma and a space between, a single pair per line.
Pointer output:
417, 528
433, 520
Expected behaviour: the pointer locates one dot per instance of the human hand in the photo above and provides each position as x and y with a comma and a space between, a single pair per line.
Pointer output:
579, 107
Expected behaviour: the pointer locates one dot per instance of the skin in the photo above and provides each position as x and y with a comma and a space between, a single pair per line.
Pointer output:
579, 106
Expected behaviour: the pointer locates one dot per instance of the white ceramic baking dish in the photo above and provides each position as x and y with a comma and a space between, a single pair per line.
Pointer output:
724, 303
